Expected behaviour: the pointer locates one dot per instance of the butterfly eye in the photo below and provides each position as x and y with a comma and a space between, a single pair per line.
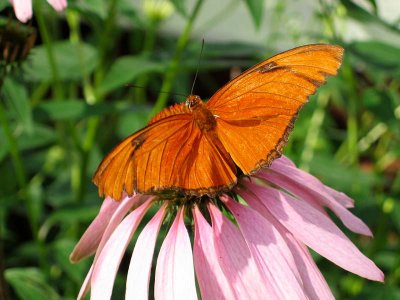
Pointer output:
192, 101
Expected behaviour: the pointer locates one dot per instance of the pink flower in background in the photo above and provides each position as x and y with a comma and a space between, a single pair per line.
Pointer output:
279, 212
23, 8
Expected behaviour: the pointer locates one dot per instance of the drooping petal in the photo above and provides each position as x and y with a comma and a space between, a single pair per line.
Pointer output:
314, 282
58, 4
236, 260
174, 272
106, 266
313, 228
22, 9
269, 249
284, 165
137, 282
306, 187
212, 281
90, 240
341, 197
125, 205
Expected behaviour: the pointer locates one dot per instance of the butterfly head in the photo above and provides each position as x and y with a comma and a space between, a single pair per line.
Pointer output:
193, 101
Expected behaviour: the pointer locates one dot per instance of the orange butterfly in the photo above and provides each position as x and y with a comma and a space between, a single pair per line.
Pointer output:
197, 148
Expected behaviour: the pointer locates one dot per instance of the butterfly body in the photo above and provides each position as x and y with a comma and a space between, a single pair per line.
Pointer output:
196, 148
203, 118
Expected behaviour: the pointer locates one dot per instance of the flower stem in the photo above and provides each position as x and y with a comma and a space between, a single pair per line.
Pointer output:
313, 131
92, 97
58, 89
173, 67
19, 171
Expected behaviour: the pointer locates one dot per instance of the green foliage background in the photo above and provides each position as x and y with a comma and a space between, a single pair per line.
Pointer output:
68, 103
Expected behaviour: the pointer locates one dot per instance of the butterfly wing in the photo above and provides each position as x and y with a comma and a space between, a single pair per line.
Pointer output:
171, 153
255, 112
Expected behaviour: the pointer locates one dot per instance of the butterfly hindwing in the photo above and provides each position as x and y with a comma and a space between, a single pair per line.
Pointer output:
169, 154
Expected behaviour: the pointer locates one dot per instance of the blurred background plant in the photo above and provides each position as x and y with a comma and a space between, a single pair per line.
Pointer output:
70, 101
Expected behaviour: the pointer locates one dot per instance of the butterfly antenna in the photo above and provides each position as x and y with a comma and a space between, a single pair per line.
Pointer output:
198, 64
162, 92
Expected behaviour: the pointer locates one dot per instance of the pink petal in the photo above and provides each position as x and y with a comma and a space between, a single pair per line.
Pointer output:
282, 165
236, 260
91, 238
313, 228
342, 198
174, 272
124, 206
137, 283
58, 4
269, 249
284, 160
314, 283
309, 188
106, 266
212, 281
22, 9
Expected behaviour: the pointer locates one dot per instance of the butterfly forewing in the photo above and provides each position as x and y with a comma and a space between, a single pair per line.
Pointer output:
255, 112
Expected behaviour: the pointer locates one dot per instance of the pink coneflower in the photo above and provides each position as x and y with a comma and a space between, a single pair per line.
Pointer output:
248, 244
23, 8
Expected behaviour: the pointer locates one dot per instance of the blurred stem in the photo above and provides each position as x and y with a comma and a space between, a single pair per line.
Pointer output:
328, 18
148, 46
79, 169
105, 34
91, 96
313, 131
348, 151
44, 33
173, 67
19, 170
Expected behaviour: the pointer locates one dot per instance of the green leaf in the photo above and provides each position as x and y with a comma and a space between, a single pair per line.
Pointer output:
256, 8
126, 69
94, 7
180, 6
381, 104
41, 136
18, 102
61, 250
74, 109
30, 284
378, 53
357, 12
133, 121
72, 60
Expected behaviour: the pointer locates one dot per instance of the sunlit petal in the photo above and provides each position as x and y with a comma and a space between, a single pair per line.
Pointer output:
137, 282
309, 188
174, 272
314, 229
269, 249
212, 281
236, 260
